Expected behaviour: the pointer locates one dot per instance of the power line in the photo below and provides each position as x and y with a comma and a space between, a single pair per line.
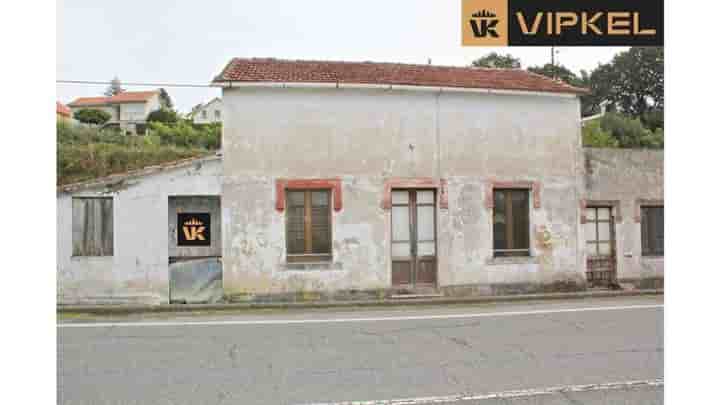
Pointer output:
195, 85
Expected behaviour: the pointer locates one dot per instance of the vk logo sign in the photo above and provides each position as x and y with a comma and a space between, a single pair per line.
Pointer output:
484, 24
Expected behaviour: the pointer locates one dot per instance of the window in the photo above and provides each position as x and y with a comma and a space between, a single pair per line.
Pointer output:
511, 222
204, 113
653, 233
598, 231
308, 225
92, 226
217, 114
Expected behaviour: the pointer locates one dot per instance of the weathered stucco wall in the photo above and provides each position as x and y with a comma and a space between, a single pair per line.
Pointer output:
627, 176
366, 136
138, 269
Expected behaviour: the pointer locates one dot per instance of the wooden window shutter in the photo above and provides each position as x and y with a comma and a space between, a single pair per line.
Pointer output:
92, 223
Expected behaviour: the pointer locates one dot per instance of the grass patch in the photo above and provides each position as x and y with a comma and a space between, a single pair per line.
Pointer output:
85, 153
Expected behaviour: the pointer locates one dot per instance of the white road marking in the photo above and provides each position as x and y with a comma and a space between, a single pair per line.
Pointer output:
346, 320
504, 394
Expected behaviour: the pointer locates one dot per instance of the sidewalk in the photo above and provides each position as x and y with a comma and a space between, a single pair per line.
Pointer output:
419, 301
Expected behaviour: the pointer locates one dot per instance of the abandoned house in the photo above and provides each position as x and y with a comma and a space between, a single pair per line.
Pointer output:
342, 180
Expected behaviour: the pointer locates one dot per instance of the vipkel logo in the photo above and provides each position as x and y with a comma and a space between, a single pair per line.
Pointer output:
561, 22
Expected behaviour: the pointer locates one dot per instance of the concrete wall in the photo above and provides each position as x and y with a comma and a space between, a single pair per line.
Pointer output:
138, 270
628, 176
367, 136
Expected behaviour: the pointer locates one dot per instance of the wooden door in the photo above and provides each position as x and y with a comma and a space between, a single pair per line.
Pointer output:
414, 257
601, 252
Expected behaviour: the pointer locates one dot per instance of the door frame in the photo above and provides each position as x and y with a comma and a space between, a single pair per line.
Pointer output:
612, 258
414, 258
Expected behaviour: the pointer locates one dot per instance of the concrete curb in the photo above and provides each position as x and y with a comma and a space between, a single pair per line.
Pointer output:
169, 308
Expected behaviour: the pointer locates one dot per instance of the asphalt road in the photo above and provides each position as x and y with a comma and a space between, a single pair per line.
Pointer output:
553, 352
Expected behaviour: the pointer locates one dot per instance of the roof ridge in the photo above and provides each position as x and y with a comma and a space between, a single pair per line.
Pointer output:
266, 69
348, 62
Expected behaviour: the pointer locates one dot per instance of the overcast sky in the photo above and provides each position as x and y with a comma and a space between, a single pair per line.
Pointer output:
190, 42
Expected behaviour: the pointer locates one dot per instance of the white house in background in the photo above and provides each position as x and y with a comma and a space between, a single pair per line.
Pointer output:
208, 113
128, 110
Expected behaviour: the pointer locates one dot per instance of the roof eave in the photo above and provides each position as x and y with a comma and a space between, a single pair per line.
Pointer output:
571, 92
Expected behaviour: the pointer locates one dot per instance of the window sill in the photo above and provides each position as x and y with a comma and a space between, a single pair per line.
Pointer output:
491, 261
652, 257
312, 266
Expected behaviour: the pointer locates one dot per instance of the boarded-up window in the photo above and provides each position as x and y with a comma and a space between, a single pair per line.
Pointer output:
92, 226
653, 233
308, 225
511, 222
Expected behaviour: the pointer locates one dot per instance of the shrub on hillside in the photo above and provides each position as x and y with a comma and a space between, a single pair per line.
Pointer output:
187, 135
617, 130
92, 116
163, 115
87, 152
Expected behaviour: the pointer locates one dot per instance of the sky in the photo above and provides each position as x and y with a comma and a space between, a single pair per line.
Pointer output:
190, 42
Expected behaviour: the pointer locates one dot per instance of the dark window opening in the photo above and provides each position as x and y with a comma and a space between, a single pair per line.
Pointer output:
653, 233
511, 223
308, 225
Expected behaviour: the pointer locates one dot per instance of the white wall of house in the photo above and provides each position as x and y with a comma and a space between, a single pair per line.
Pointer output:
209, 113
365, 136
133, 112
138, 269
152, 104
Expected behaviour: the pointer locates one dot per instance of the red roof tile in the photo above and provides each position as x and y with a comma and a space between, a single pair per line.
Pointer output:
88, 101
124, 97
297, 71
62, 109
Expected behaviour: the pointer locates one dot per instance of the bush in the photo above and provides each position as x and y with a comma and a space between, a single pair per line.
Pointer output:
187, 135
92, 116
163, 115
594, 136
616, 130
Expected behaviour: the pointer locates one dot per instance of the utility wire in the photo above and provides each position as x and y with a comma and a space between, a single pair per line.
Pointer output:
136, 84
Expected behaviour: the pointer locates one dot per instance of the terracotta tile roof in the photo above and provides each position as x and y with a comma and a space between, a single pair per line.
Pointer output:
132, 96
62, 109
88, 101
124, 97
298, 71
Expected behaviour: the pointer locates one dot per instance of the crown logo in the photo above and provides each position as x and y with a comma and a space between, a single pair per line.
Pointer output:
193, 221
484, 14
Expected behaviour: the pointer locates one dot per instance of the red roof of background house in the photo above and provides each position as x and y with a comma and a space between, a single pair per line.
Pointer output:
124, 97
62, 109
299, 71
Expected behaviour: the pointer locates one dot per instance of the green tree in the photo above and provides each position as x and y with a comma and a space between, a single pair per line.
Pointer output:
165, 99
559, 72
92, 116
495, 60
627, 132
589, 102
114, 88
633, 82
164, 115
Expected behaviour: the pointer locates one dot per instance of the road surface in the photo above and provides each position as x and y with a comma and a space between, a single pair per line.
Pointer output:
588, 351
